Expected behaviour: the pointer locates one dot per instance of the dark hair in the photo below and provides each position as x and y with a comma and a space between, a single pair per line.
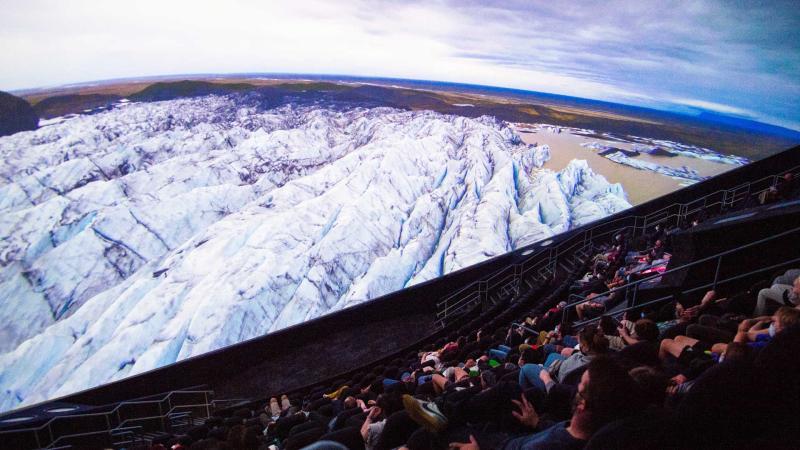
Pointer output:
389, 403
651, 383
531, 356
608, 326
646, 330
235, 436
251, 438
593, 340
611, 393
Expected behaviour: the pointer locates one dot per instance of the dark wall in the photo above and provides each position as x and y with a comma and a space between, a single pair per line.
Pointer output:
712, 238
323, 347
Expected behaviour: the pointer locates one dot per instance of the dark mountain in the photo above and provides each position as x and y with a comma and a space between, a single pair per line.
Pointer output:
186, 88
16, 115
62, 105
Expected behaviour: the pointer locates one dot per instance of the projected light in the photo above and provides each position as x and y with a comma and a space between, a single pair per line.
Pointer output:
163, 216
17, 419
62, 409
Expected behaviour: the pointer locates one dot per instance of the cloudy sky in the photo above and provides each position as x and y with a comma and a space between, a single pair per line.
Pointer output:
739, 58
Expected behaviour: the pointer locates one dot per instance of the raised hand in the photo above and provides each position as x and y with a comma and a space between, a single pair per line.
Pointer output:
374, 412
527, 415
471, 445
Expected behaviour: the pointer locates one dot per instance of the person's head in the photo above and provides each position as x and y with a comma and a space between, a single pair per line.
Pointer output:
659, 244
235, 436
796, 286
785, 317
606, 393
645, 330
376, 387
592, 341
350, 402
607, 325
529, 356
651, 384
389, 404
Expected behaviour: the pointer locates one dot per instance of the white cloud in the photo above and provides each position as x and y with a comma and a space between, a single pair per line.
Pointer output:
617, 51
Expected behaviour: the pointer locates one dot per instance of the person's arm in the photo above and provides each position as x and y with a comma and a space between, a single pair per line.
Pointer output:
707, 300
374, 412
743, 334
753, 333
623, 333
544, 375
471, 445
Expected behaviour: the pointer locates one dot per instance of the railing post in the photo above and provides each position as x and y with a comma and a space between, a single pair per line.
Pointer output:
716, 273
161, 415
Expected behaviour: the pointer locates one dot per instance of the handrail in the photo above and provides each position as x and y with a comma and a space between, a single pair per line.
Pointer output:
525, 327
717, 256
123, 425
697, 288
107, 414
588, 236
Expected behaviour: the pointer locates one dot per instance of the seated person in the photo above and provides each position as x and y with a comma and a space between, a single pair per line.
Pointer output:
755, 332
606, 393
592, 343
778, 295
594, 305
642, 344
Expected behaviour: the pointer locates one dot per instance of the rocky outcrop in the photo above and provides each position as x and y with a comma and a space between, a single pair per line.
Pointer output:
16, 115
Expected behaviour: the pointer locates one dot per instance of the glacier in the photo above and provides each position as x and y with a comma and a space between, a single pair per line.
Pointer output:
139, 236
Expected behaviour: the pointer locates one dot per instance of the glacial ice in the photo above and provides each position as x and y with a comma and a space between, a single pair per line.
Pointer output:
140, 236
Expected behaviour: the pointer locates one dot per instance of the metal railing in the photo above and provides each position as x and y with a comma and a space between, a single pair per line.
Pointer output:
545, 261
712, 285
47, 435
718, 257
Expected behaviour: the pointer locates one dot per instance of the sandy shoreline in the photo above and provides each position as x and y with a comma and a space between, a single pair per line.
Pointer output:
640, 185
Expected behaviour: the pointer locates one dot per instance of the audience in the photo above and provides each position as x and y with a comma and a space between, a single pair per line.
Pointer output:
693, 373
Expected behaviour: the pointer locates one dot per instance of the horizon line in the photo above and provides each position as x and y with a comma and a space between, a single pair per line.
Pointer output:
685, 112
